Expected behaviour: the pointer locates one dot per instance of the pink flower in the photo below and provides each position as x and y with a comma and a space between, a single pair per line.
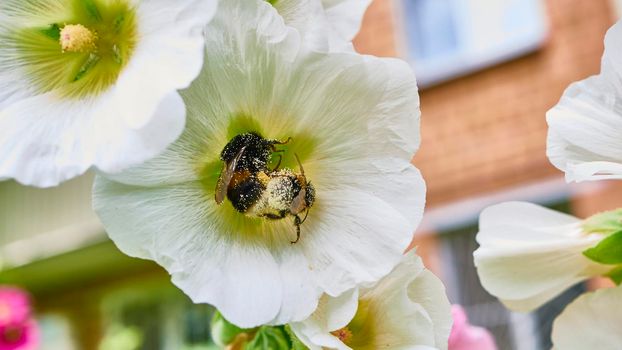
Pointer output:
20, 336
14, 306
18, 330
466, 337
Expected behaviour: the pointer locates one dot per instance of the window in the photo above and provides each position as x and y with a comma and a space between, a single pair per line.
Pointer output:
449, 38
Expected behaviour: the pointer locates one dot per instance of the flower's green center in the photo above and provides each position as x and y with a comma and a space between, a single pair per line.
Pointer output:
361, 332
256, 230
81, 51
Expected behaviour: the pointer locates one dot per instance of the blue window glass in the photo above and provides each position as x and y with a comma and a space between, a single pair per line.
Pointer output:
432, 28
449, 38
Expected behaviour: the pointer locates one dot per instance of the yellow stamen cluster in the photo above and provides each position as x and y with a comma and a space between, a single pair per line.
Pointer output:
344, 334
77, 38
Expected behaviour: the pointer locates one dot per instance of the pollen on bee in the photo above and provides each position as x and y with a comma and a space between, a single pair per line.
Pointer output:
77, 38
280, 193
263, 178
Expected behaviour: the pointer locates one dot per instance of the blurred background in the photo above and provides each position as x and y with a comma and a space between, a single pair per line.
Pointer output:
488, 71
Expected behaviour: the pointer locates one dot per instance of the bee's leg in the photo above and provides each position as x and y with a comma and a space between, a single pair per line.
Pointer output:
297, 223
277, 142
289, 139
278, 164
305, 218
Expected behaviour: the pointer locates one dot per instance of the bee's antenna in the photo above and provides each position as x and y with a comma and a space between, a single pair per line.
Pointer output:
302, 170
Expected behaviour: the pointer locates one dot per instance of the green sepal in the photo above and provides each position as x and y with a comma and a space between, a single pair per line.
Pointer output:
296, 344
53, 32
608, 251
615, 275
269, 338
607, 222
224, 332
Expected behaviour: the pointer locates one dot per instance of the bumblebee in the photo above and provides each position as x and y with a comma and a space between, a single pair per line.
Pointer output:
258, 191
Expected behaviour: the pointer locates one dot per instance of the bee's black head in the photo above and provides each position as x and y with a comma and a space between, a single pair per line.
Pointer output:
256, 154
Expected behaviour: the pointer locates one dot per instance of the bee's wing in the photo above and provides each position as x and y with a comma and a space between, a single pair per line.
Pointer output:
298, 204
226, 175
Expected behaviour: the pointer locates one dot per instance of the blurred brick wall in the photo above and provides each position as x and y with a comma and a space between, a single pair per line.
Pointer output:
487, 131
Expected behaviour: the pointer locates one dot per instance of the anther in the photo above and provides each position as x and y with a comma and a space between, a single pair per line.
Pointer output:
77, 38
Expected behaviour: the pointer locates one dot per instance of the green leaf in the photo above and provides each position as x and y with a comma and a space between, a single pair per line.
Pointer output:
606, 222
223, 331
615, 275
608, 251
269, 338
296, 344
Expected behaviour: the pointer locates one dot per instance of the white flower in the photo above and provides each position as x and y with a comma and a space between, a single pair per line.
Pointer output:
354, 124
345, 16
585, 127
324, 24
407, 309
592, 321
93, 82
529, 254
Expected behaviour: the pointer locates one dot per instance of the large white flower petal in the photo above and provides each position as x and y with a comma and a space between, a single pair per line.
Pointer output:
407, 309
350, 244
611, 67
300, 292
592, 321
584, 126
407, 192
167, 58
308, 17
108, 140
429, 291
61, 144
331, 314
48, 137
425, 301
583, 131
324, 25
529, 254
211, 267
345, 15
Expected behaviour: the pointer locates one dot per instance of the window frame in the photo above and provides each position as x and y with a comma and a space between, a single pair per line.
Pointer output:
429, 75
